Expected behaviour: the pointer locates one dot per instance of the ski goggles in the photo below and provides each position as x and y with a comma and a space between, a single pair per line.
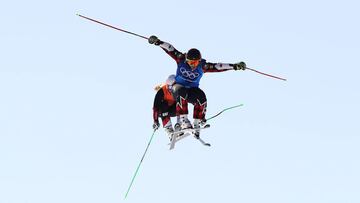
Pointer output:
195, 62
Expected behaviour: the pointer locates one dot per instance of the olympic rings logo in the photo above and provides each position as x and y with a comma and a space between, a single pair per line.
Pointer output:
188, 74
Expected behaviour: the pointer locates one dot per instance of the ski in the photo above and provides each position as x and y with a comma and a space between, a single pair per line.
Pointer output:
179, 135
203, 142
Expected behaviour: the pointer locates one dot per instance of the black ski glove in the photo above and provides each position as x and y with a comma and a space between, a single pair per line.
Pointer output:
156, 125
240, 66
154, 40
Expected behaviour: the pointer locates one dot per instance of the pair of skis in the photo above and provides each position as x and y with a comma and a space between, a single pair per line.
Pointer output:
178, 138
179, 135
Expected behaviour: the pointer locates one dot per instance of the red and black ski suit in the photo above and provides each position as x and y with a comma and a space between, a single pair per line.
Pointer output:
164, 105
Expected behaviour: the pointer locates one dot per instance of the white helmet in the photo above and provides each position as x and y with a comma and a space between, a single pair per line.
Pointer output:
170, 80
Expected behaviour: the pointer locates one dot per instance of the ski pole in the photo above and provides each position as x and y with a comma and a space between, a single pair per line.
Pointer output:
96, 21
122, 30
137, 169
266, 74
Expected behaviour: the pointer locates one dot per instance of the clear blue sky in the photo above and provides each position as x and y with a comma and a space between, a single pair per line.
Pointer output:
76, 102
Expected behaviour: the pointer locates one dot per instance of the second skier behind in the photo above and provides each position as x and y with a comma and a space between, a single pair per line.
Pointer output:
164, 105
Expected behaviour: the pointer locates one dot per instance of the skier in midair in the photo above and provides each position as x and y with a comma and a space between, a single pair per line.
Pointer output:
190, 68
164, 105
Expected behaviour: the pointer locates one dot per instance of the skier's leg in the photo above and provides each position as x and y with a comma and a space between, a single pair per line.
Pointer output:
172, 110
166, 121
198, 98
165, 117
181, 94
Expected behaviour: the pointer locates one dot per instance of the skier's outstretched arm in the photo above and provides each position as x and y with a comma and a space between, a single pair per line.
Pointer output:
168, 48
156, 108
219, 67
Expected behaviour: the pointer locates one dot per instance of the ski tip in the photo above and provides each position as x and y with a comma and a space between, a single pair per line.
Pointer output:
77, 14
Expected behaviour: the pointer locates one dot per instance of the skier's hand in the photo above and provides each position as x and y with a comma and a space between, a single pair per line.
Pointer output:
240, 66
156, 125
154, 40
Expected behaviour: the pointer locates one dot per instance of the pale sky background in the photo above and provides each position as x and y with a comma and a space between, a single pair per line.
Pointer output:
76, 102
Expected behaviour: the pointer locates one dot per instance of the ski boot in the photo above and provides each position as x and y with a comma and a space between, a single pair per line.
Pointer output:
184, 123
177, 127
197, 125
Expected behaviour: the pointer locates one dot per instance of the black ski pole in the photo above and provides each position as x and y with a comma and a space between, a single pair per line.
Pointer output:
266, 74
110, 26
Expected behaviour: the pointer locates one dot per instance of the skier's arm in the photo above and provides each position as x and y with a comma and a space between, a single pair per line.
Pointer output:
168, 48
157, 105
220, 67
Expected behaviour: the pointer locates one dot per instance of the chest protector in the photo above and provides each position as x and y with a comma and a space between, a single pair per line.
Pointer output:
187, 77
